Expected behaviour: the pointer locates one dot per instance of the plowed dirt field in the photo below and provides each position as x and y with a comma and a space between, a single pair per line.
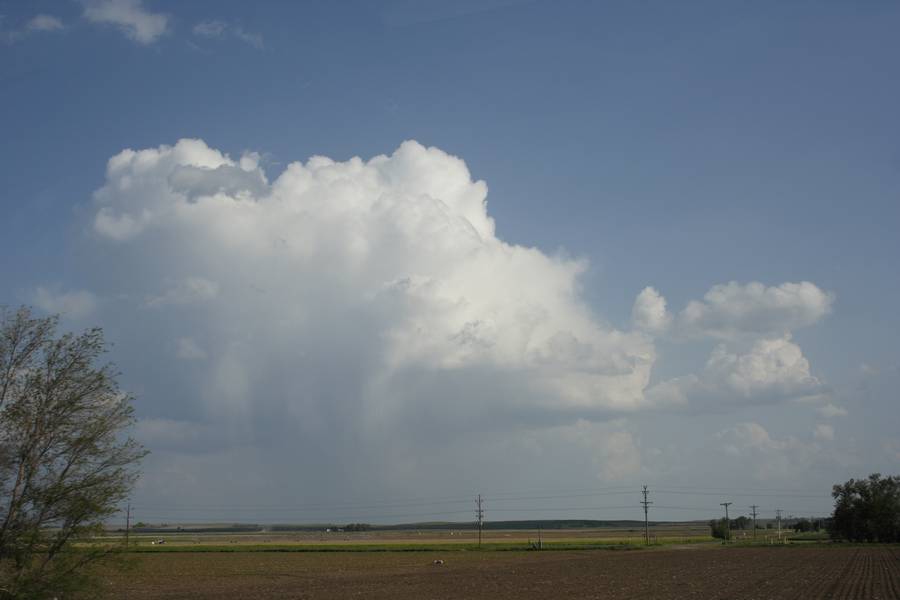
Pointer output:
809, 573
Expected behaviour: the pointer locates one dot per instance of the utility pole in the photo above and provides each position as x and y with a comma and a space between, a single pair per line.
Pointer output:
479, 515
778, 515
754, 507
127, 523
727, 521
646, 505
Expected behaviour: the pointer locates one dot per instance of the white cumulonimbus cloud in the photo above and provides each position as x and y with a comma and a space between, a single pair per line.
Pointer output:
390, 265
364, 303
348, 306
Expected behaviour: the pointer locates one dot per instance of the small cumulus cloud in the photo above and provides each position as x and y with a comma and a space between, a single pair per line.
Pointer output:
750, 436
608, 450
771, 367
156, 432
74, 303
832, 410
188, 349
868, 370
190, 290
129, 16
616, 456
768, 457
649, 311
757, 361
824, 432
768, 371
38, 23
44, 23
732, 309
218, 29
212, 29
891, 448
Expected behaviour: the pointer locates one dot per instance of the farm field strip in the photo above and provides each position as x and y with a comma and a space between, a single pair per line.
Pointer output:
808, 573
400, 540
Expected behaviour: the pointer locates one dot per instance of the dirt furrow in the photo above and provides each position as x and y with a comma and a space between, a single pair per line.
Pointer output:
837, 589
866, 586
819, 577
860, 576
890, 567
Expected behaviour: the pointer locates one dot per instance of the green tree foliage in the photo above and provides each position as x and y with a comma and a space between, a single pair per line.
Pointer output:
718, 528
803, 526
65, 462
867, 510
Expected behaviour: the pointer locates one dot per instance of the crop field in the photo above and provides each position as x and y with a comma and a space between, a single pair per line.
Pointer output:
409, 539
807, 572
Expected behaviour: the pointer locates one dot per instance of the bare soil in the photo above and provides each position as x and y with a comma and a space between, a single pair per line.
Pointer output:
812, 573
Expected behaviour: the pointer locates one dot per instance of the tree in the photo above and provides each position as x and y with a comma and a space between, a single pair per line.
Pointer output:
66, 462
718, 528
867, 510
803, 526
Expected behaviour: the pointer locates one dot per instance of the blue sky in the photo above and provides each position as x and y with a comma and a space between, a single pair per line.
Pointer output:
678, 147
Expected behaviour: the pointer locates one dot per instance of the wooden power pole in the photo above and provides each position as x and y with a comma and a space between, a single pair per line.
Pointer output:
646, 505
127, 523
727, 521
479, 514
754, 507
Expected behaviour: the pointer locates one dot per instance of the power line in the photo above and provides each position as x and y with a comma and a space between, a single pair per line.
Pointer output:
750, 495
753, 489
412, 502
502, 502
329, 507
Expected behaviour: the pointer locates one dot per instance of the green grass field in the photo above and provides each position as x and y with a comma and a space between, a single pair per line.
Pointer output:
406, 541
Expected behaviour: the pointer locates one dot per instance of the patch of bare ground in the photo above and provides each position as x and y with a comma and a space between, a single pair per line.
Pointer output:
813, 573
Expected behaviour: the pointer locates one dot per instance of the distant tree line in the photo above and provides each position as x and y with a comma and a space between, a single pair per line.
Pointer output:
867, 510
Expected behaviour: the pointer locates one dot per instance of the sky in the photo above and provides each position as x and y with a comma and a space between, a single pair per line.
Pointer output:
361, 261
